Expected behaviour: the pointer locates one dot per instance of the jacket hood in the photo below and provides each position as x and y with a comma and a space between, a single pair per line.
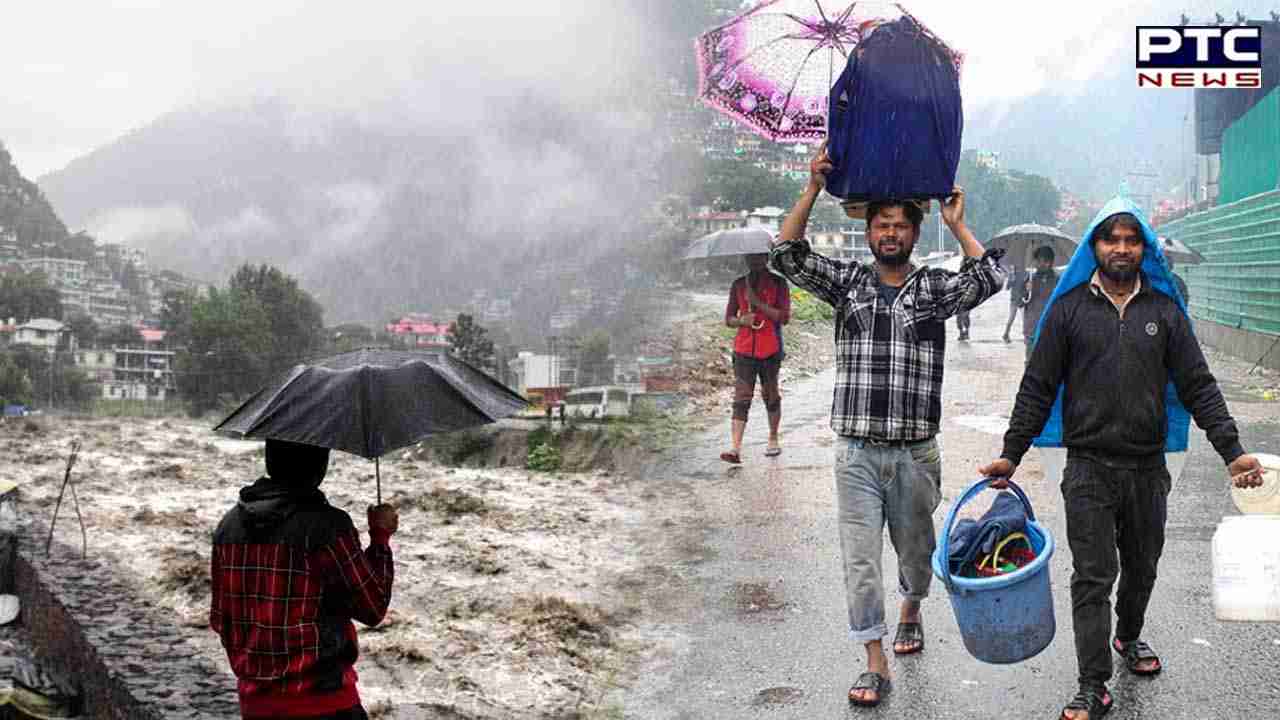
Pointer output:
268, 502
1155, 270
1154, 265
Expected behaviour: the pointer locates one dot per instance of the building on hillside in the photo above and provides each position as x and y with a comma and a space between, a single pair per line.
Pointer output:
420, 331
709, 221
131, 373
44, 333
839, 241
60, 271
107, 303
768, 217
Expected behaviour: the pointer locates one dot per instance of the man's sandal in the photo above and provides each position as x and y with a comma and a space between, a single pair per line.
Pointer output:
731, 457
909, 633
773, 451
1135, 653
1091, 702
870, 681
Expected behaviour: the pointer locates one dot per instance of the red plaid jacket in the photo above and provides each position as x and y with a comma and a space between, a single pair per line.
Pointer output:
288, 577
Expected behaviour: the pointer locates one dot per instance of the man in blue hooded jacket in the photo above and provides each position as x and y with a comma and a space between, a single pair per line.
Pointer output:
1114, 341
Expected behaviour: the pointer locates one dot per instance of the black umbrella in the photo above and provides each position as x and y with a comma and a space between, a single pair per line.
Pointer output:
1022, 240
370, 402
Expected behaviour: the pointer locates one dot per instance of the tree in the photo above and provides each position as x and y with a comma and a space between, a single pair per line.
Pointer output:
237, 339
594, 365
15, 386
84, 329
227, 354
471, 342
53, 377
121, 336
740, 185
295, 319
996, 199
24, 296
175, 316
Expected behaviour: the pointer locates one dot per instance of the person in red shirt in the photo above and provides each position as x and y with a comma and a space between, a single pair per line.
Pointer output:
759, 305
288, 577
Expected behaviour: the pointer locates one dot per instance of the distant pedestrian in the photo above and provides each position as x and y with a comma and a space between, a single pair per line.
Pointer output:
288, 577
1182, 284
962, 322
759, 305
1111, 342
890, 341
1039, 288
1017, 287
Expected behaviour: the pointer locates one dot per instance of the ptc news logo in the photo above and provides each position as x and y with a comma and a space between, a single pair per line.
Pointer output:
1200, 57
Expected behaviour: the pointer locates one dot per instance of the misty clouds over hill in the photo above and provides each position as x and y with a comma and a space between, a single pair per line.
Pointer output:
1087, 139
372, 219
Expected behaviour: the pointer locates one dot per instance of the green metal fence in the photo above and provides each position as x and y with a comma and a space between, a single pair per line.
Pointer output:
1238, 285
1251, 151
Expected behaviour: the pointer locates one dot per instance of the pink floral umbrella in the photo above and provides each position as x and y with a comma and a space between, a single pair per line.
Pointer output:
772, 67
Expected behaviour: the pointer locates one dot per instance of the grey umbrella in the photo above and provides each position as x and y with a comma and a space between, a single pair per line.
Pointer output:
727, 243
370, 402
1020, 241
1179, 253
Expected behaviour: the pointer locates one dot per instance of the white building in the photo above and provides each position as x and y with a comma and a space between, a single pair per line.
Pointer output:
130, 373
60, 271
533, 370
767, 217
41, 332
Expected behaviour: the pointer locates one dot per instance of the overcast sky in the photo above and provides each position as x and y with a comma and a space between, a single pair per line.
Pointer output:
76, 75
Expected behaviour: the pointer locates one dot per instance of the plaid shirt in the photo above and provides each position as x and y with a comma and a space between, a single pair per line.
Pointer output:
889, 360
283, 609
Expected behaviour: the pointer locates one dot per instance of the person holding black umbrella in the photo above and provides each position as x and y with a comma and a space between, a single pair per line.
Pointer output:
288, 577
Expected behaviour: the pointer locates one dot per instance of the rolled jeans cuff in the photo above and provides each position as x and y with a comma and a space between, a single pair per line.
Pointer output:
875, 632
913, 595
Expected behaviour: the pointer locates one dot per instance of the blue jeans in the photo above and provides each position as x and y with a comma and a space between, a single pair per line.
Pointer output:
876, 485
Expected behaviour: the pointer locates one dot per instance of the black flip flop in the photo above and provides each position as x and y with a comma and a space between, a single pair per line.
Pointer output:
909, 632
870, 681
1136, 652
1089, 701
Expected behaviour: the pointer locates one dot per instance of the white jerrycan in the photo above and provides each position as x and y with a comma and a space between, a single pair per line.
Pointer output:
1246, 568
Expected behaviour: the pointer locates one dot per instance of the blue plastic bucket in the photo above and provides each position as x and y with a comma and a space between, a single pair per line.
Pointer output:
1004, 619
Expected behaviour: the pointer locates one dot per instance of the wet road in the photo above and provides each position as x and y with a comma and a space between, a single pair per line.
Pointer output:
755, 593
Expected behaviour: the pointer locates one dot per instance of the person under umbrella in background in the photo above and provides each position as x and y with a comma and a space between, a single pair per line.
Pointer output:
1039, 288
1017, 287
759, 305
1177, 280
288, 577
962, 322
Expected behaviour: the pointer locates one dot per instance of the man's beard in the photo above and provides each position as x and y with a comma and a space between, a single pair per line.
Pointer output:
1116, 275
901, 257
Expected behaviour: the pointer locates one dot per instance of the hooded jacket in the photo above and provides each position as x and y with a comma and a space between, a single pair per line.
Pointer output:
288, 577
1112, 388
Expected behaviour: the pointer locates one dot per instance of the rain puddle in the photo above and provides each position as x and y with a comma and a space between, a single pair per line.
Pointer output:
990, 424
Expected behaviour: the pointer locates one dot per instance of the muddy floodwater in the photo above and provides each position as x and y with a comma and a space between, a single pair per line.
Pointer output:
510, 597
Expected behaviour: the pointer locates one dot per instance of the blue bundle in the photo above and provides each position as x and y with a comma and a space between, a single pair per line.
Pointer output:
895, 117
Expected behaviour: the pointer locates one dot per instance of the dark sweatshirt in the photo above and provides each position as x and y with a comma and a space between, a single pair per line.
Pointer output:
1115, 372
